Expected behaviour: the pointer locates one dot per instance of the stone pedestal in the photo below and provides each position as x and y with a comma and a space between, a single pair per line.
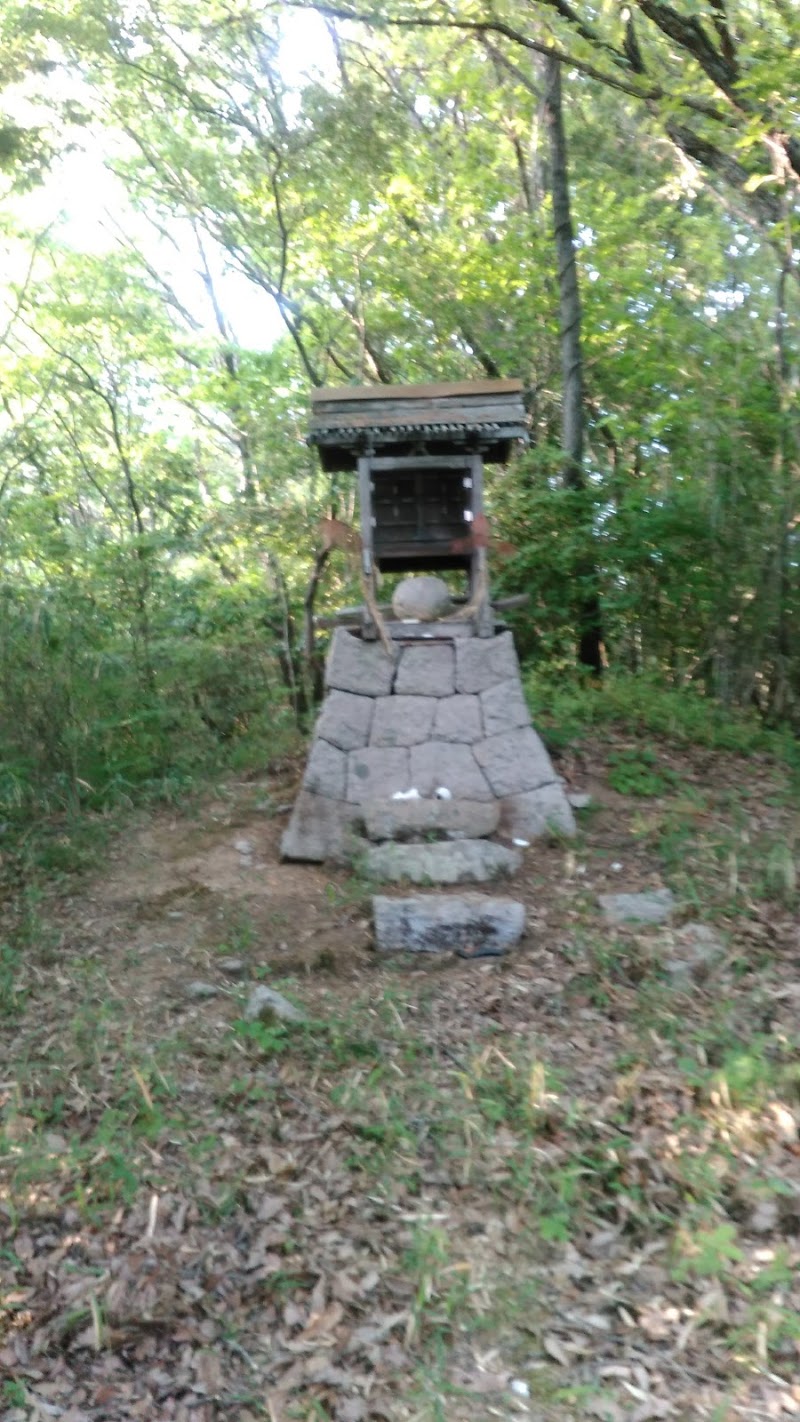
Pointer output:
447, 718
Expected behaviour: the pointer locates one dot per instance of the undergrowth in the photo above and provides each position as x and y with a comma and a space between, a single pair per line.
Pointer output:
567, 708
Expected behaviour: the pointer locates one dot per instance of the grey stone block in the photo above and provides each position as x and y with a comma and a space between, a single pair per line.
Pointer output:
504, 707
458, 718
326, 771
483, 661
462, 861
427, 670
652, 906
445, 922
361, 667
377, 772
514, 761
443, 763
319, 830
345, 720
409, 819
402, 720
537, 812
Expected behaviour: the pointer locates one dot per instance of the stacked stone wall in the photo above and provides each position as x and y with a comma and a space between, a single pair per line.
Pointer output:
448, 715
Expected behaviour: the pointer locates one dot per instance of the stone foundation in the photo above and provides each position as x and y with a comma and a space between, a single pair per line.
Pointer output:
448, 717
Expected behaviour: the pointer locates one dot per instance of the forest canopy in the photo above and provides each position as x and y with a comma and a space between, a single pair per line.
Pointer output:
257, 200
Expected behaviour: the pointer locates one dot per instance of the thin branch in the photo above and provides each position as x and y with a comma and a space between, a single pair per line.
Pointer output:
37, 242
79, 454
499, 27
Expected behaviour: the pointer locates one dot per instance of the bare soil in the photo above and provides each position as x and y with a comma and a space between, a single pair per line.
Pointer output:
534, 1186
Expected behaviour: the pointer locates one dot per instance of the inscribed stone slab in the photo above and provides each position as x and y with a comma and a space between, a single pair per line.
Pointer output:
461, 861
345, 720
483, 661
326, 771
377, 771
360, 667
443, 763
504, 707
514, 761
426, 671
537, 812
425, 923
402, 720
458, 718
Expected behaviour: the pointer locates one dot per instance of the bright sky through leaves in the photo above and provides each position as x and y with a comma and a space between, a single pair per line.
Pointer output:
84, 204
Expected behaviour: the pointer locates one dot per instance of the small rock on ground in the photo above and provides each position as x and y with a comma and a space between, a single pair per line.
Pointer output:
198, 991
232, 967
264, 1004
578, 800
651, 906
697, 948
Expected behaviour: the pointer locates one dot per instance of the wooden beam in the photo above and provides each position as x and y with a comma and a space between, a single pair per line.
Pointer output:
438, 388
382, 463
352, 614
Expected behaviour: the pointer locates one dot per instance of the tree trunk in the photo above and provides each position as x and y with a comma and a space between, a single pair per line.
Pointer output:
590, 630
786, 459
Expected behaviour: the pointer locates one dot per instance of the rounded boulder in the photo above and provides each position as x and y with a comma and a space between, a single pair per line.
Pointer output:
423, 598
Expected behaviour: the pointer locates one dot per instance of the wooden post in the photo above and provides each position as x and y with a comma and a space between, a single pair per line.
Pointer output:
369, 630
479, 573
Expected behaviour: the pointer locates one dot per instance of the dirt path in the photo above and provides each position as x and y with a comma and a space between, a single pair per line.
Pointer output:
559, 1185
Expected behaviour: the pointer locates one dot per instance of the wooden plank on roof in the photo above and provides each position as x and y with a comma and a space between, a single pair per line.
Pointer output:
510, 400
415, 418
417, 414
424, 392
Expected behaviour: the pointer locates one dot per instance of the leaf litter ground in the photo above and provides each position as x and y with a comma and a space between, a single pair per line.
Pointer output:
563, 1184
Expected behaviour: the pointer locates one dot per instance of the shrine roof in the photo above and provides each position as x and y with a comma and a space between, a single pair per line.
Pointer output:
481, 414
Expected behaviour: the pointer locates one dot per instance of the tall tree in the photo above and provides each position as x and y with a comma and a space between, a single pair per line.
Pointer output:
721, 85
590, 629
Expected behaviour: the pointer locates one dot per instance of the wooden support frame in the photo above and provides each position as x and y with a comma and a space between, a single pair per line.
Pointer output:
479, 579
369, 630
479, 604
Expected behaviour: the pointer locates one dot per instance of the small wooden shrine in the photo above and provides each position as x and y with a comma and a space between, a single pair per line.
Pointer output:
419, 451
428, 735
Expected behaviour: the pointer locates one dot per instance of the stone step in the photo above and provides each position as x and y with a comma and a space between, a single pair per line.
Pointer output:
446, 923
388, 819
461, 861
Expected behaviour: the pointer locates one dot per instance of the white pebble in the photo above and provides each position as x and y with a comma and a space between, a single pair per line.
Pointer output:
520, 1388
521, 843
442, 793
616, 867
412, 794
